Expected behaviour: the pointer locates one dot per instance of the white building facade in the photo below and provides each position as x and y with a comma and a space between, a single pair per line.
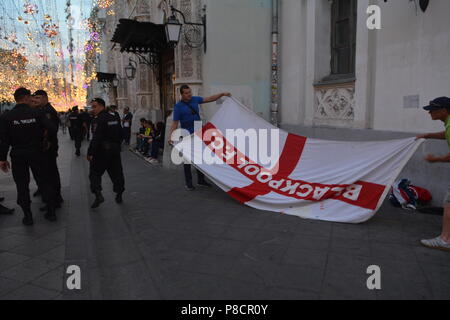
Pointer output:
341, 81
336, 72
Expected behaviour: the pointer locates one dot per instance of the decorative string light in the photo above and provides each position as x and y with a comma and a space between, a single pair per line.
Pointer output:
50, 29
30, 9
12, 38
22, 64
105, 4
95, 36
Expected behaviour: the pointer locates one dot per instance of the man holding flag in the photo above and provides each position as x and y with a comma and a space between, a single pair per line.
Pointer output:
439, 109
185, 113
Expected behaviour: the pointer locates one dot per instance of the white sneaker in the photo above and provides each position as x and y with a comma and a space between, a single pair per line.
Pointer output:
151, 160
436, 243
409, 207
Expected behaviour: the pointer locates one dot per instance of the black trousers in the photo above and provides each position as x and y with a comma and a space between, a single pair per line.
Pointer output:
71, 133
188, 175
53, 177
21, 166
78, 137
111, 163
88, 132
53, 172
126, 135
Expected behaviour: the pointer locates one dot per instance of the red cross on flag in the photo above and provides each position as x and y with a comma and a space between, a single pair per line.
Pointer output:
267, 168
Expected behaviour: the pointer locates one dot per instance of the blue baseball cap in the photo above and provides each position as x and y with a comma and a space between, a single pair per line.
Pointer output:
438, 103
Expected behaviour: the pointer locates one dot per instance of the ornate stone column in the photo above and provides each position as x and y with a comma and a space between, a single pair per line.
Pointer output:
144, 92
188, 61
122, 90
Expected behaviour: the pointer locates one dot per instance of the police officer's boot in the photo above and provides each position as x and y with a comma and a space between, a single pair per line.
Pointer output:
78, 153
28, 219
59, 198
98, 200
119, 198
50, 215
45, 208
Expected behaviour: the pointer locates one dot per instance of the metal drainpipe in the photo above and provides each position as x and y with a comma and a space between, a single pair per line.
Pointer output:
274, 86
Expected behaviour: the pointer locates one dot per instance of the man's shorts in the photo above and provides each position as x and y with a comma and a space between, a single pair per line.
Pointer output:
447, 198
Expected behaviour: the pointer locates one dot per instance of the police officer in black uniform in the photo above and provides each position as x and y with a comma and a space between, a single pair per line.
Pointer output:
104, 152
51, 144
76, 124
23, 129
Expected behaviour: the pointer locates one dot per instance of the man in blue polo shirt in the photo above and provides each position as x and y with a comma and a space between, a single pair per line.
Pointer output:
185, 113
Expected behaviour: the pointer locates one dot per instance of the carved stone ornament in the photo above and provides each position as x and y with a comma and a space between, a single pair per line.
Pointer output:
335, 103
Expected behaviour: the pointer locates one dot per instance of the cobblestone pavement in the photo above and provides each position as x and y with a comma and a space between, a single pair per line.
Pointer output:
168, 243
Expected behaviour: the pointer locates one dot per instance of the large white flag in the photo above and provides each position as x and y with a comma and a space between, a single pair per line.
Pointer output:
269, 169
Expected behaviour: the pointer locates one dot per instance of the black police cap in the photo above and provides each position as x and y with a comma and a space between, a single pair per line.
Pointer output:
41, 93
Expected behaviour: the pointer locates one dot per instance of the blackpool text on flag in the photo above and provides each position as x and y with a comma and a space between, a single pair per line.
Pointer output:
314, 179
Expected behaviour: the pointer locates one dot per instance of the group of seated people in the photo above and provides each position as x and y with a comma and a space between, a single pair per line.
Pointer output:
150, 140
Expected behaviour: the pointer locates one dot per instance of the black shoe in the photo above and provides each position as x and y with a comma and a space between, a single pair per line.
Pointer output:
45, 208
189, 187
98, 200
119, 198
204, 184
28, 219
78, 153
50, 215
5, 210
37, 193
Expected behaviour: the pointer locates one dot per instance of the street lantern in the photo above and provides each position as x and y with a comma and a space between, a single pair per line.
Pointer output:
130, 70
174, 26
173, 30
115, 82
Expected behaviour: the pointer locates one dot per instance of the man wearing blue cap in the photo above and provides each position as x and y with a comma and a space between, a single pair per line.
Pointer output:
439, 109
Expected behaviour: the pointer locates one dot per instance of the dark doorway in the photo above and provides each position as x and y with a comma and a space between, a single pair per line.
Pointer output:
166, 82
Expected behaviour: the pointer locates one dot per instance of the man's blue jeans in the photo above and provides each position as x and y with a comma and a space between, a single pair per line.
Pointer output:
156, 145
140, 144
